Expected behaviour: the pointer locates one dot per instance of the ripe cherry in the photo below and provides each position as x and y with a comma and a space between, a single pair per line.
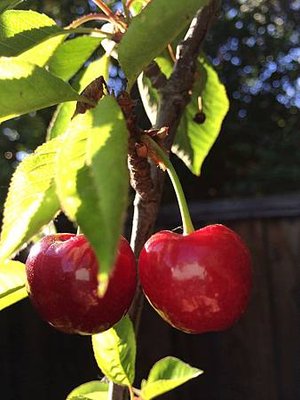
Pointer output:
62, 283
198, 282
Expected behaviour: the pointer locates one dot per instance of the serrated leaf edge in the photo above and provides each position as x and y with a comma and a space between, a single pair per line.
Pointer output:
116, 350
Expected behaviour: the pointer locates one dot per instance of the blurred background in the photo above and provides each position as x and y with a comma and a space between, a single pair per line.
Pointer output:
249, 181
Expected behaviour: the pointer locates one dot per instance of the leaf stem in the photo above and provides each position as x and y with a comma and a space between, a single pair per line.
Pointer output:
131, 392
164, 162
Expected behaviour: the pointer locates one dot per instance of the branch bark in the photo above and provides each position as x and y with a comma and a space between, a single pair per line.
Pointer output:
175, 94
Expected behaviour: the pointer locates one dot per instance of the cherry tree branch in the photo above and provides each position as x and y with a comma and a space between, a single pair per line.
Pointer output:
175, 94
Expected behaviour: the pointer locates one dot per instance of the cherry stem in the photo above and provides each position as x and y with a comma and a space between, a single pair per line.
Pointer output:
171, 53
104, 7
89, 17
107, 11
165, 163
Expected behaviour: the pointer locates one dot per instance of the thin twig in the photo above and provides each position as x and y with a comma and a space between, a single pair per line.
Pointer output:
89, 17
104, 7
171, 53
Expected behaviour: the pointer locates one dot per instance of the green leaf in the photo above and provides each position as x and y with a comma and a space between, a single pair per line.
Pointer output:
41, 53
164, 60
136, 6
150, 32
25, 87
31, 201
149, 96
12, 283
94, 390
61, 119
115, 352
93, 189
71, 55
65, 111
21, 30
167, 374
193, 141
7, 4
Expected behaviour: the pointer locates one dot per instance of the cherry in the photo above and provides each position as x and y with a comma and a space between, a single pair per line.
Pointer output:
62, 283
198, 282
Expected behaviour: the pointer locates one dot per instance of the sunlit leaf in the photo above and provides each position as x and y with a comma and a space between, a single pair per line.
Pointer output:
61, 119
115, 352
12, 283
65, 111
167, 374
149, 34
94, 390
149, 96
25, 87
31, 201
194, 140
21, 30
93, 189
71, 55
41, 53
136, 6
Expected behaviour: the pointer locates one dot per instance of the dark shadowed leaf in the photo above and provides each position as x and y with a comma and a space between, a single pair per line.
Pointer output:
148, 35
7, 4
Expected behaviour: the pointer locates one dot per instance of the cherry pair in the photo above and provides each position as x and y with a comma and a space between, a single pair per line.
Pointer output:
198, 282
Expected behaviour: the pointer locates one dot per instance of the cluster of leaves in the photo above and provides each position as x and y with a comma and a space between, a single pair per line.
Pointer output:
165, 375
254, 48
81, 169
93, 145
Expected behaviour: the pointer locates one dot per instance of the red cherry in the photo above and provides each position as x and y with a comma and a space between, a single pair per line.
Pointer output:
62, 283
198, 282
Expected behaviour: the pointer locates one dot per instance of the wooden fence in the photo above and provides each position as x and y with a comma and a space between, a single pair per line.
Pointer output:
258, 359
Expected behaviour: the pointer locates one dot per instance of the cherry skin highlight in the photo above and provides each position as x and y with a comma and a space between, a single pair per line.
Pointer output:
62, 281
199, 282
